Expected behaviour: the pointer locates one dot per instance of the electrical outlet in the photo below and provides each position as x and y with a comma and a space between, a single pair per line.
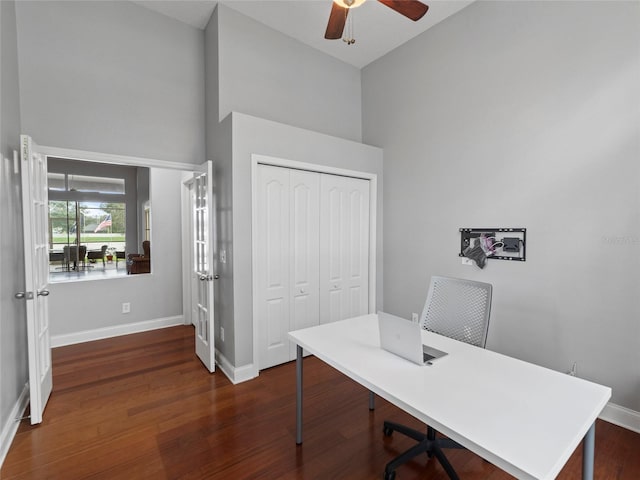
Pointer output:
222, 333
414, 317
126, 307
467, 261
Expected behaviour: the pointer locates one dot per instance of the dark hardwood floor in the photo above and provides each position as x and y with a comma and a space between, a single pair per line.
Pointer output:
142, 406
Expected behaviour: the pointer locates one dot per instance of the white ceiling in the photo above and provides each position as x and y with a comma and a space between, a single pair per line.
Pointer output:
377, 28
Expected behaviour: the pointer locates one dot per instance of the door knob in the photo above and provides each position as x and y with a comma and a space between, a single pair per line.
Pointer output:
205, 278
216, 276
43, 293
20, 295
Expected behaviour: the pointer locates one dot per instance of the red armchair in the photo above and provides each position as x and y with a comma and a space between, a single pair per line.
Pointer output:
140, 262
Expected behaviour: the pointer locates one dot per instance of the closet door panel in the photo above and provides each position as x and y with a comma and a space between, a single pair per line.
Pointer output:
344, 247
276, 313
304, 255
358, 237
273, 315
355, 302
358, 247
332, 236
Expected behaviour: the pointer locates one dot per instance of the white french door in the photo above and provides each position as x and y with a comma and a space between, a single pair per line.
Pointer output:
203, 266
36, 265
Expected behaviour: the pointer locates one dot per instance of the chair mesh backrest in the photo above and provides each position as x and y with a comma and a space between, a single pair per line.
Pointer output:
458, 309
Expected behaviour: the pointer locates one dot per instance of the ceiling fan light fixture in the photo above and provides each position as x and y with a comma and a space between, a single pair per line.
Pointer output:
349, 3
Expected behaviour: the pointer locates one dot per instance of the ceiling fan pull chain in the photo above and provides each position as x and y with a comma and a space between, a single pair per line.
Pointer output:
348, 38
338, 27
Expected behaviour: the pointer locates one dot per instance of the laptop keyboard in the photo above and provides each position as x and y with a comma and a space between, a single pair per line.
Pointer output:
426, 357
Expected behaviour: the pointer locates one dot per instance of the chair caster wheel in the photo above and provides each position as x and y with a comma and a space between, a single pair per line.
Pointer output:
390, 475
387, 431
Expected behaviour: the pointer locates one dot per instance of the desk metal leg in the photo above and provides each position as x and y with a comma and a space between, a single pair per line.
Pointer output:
588, 448
299, 395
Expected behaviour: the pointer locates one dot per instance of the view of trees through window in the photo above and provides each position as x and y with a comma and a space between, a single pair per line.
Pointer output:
87, 223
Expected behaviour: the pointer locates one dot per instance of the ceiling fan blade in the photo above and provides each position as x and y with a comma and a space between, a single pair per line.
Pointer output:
412, 9
337, 19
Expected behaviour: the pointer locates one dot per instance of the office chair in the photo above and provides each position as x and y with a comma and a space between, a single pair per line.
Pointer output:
75, 254
457, 309
98, 255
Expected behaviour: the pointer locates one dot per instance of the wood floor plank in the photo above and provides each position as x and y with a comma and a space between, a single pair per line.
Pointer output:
143, 407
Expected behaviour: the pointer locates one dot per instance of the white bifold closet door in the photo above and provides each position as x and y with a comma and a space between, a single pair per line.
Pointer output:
288, 258
344, 247
313, 254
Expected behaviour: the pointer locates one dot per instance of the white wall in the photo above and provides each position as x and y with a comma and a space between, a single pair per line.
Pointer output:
253, 135
13, 330
224, 286
111, 77
78, 307
521, 114
268, 75
255, 71
116, 78
219, 141
212, 82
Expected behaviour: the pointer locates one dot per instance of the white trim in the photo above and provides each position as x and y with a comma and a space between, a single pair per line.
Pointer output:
187, 253
115, 331
235, 375
309, 167
256, 160
12, 423
88, 156
254, 256
373, 246
621, 416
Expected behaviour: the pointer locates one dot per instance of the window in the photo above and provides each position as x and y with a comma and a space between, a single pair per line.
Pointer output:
87, 223
147, 222
94, 217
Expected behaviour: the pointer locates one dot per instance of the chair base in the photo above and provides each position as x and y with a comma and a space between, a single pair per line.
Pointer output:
427, 443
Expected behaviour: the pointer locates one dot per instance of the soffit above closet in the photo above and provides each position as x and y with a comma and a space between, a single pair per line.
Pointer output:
378, 30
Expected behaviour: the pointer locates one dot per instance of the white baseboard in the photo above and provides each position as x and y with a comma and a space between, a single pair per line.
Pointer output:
235, 375
621, 416
115, 331
11, 425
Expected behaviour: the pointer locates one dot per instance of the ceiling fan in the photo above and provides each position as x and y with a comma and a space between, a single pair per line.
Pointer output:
412, 9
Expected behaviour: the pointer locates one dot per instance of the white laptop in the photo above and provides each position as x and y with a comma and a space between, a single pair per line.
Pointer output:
403, 338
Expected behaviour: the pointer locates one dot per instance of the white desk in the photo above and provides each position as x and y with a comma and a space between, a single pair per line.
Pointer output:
523, 418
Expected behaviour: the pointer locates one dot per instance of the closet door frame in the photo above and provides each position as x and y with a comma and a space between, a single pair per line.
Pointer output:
256, 160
